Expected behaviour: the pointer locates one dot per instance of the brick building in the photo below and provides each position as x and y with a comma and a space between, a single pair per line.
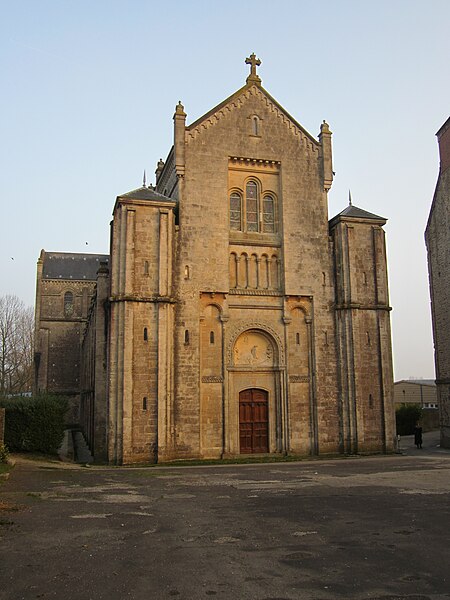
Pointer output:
234, 317
437, 237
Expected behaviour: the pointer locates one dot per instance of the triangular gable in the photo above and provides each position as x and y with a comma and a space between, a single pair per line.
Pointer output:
239, 97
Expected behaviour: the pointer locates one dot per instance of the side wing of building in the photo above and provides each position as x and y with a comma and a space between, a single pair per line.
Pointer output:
65, 286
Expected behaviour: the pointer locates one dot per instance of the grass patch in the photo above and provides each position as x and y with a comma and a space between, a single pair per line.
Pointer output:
34, 495
39, 457
5, 468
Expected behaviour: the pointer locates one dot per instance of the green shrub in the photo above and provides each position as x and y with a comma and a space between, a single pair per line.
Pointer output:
4, 454
406, 417
34, 424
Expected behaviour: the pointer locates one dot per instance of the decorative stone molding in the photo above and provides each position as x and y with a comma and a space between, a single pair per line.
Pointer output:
298, 378
211, 379
243, 162
253, 292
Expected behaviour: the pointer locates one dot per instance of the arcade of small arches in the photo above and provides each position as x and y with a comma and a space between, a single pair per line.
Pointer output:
254, 271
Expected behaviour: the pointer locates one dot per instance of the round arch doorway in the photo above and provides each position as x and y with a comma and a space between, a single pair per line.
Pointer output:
253, 421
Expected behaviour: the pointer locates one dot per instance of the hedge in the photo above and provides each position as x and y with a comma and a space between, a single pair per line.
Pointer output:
406, 417
34, 424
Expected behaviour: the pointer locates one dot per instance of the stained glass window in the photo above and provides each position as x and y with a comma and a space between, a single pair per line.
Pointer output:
268, 214
252, 206
235, 211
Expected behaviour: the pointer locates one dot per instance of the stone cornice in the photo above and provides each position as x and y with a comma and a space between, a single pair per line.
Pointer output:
149, 299
357, 306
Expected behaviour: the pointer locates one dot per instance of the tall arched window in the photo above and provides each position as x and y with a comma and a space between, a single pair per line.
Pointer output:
251, 201
68, 304
268, 214
236, 211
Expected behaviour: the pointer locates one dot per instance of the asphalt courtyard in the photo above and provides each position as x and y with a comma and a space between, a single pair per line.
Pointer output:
356, 528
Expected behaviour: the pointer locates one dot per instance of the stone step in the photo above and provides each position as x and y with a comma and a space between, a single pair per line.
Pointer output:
81, 449
66, 450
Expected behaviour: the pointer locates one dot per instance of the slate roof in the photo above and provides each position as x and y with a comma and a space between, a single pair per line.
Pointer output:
146, 193
67, 265
356, 213
359, 213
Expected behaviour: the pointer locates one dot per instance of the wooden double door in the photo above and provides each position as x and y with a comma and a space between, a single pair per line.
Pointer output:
253, 421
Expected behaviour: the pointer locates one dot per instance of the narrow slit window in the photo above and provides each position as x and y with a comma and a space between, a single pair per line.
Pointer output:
146, 267
255, 121
144, 403
186, 336
297, 339
145, 334
211, 337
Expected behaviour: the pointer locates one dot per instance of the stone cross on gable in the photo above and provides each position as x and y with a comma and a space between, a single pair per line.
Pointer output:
253, 62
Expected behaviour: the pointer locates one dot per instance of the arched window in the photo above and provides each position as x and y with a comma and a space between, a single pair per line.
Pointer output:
68, 304
235, 211
254, 210
251, 201
268, 214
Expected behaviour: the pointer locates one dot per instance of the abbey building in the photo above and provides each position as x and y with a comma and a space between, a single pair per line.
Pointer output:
231, 316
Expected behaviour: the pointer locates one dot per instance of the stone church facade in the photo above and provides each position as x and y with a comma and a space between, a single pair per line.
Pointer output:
437, 237
231, 316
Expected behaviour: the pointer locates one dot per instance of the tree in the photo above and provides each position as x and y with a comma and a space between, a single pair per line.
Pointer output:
406, 417
16, 346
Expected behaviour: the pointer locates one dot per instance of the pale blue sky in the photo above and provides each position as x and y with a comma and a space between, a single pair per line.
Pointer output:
89, 89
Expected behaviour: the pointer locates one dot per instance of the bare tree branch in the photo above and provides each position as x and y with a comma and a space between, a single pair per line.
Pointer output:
16, 346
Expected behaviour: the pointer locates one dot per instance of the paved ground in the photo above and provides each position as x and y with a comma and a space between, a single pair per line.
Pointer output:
359, 528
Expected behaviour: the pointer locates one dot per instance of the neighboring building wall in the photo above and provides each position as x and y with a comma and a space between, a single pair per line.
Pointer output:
437, 238
420, 392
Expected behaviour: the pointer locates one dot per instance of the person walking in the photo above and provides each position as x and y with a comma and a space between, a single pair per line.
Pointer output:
418, 435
